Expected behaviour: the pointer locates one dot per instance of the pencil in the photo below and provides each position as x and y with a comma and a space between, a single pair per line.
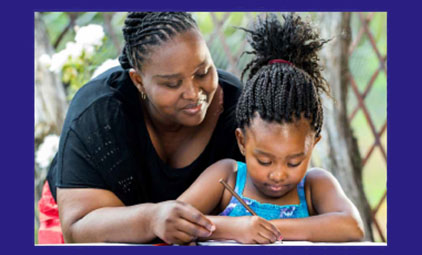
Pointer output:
237, 196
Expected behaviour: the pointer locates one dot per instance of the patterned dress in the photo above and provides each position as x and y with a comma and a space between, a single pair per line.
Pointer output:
264, 210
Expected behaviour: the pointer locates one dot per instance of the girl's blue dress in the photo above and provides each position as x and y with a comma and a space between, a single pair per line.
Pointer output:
266, 211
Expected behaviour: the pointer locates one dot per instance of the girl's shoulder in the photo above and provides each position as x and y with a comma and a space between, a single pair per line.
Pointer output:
318, 177
316, 173
316, 181
225, 168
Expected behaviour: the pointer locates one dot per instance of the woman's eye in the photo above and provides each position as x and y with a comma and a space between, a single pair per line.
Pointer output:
293, 165
173, 85
202, 75
264, 163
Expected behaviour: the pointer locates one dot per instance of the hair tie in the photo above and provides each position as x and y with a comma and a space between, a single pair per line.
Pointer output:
280, 61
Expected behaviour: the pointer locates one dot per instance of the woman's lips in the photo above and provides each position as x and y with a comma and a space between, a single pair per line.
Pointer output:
192, 109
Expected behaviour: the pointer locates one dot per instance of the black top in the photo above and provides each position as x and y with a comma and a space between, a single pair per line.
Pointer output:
105, 143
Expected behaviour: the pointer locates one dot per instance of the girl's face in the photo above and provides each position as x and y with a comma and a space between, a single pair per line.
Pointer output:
277, 155
179, 79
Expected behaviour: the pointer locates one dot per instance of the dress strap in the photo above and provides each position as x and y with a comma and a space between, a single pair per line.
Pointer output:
301, 190
240, 178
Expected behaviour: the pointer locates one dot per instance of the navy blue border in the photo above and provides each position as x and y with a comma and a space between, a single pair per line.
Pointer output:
17, 128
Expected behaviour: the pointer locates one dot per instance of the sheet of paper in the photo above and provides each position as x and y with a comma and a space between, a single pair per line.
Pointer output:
288, 243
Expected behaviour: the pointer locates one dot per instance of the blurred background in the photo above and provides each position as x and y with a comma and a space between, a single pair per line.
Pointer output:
72, 48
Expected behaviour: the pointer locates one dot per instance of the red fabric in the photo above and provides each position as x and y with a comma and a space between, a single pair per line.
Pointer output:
50, 231
279, 61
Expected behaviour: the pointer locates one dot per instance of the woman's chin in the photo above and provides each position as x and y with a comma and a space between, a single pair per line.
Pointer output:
192, 121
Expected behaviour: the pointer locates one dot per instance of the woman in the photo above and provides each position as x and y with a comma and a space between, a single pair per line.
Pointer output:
137, 136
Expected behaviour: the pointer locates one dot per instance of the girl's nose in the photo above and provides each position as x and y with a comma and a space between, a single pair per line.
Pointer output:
278, 175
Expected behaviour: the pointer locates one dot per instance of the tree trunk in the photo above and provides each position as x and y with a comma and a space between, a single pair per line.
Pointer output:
50, 97
338, 150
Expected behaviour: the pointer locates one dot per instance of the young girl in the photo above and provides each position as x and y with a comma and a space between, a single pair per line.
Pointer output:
279, 116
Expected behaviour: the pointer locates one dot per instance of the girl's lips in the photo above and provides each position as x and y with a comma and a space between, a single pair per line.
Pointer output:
276, 188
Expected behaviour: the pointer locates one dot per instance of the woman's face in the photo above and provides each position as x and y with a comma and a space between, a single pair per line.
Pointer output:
277, 155
179, 79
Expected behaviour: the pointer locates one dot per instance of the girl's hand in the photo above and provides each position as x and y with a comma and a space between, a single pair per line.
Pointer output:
254, 229
176, 222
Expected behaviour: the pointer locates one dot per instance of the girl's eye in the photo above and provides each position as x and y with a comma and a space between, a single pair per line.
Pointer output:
264, 163
294, 165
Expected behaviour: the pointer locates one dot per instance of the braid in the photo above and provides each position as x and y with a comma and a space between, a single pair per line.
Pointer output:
145, 29
283, 92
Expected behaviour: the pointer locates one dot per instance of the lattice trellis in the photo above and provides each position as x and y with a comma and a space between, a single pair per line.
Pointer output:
366, 33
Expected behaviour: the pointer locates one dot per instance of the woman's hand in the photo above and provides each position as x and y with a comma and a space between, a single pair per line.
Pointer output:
254, 229
176, 222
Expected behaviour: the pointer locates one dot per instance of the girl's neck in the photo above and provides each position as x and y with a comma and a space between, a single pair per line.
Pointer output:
290, 198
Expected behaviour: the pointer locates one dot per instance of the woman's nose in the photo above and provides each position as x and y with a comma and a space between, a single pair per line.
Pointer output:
191, 91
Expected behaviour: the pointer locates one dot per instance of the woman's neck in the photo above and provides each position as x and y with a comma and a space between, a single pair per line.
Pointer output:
160, 125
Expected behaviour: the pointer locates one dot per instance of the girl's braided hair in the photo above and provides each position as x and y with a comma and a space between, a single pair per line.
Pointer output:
283, 92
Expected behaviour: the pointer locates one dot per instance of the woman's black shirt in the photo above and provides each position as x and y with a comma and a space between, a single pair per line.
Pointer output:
105, 144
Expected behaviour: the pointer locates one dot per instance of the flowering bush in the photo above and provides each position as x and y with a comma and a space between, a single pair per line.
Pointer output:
47, 150
74, 61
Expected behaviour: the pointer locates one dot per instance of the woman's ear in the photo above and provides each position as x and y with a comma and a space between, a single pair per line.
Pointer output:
317, 139
137, 80
240, 140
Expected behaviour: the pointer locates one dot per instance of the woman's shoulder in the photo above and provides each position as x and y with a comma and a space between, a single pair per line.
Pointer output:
113, 83
229, 79
102, 99
232, 87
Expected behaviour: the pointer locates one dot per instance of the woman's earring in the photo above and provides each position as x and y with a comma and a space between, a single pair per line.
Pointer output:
143, 95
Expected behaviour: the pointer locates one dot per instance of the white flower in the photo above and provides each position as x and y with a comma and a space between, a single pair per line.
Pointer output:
45, 60
58, 60
47, 150
89, 50
109, 63
90, 35
74, 50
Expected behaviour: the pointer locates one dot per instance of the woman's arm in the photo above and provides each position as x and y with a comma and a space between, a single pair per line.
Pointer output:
335, 219
96, 215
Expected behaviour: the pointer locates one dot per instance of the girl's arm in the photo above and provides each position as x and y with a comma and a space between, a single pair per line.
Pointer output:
333, 215
206, 194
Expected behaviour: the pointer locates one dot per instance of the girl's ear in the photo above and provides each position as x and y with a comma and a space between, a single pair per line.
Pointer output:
240, 140
137, 80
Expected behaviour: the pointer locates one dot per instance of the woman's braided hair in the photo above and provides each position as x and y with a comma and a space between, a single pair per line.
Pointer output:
281, 91
145, 29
